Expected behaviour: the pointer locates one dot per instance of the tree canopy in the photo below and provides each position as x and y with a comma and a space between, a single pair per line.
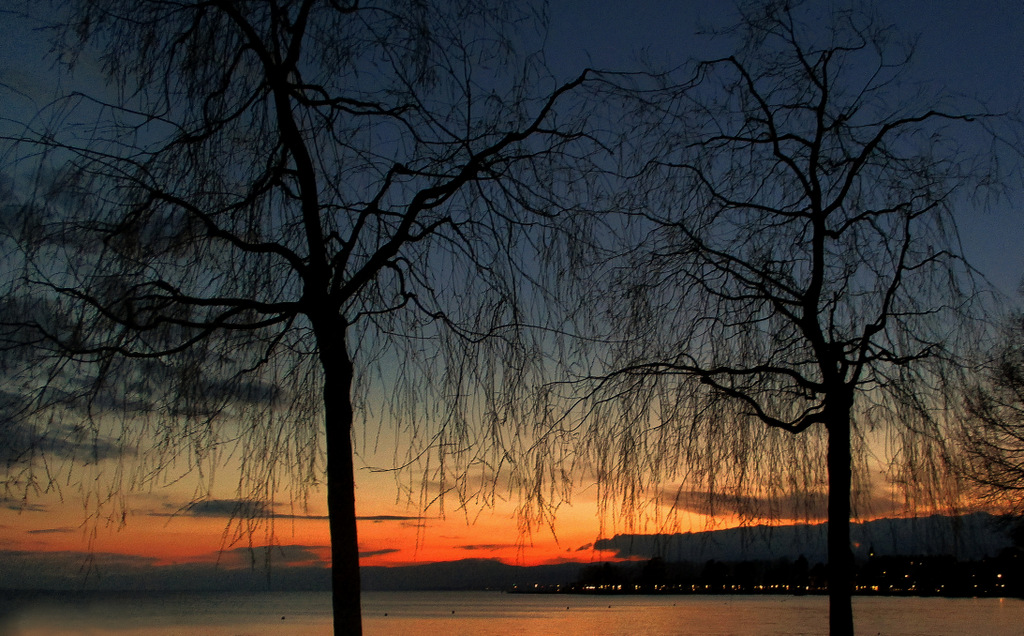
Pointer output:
995, 404
281, 226
791, 298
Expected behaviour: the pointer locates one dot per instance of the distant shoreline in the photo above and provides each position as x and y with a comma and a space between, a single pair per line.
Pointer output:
572, 591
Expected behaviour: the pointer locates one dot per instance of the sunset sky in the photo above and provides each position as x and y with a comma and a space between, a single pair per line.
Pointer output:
973, 48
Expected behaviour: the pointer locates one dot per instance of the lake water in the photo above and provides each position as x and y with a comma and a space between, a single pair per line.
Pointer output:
486, 613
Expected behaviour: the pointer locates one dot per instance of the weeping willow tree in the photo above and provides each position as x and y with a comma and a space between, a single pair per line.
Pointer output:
791, 308
996, 407
277, 226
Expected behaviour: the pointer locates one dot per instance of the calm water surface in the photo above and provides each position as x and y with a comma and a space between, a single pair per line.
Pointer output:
493, 613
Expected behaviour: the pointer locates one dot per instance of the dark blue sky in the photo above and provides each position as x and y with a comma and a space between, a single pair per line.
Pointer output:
973, 49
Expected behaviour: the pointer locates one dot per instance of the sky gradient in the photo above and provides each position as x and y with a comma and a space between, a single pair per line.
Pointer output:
976, 51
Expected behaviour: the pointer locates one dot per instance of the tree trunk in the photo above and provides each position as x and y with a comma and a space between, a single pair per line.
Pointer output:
840, 558
341, 492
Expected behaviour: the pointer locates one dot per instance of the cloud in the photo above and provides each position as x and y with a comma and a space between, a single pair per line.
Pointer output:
231, 509
64, 530
12, 405
373, 553
487, 546
248, 392
116, 399
80, 444
16, 437
382, 518
20, 505
585, 547
810, 507
474, 487
20, 442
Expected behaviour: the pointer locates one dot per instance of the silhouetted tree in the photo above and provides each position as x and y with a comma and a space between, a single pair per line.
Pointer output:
996, 405
279, 219
794, 292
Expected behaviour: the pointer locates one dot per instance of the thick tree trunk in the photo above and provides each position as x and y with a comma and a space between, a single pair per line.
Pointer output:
341, 493
840, 557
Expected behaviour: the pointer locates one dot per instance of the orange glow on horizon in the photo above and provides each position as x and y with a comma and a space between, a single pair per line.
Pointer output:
166, 531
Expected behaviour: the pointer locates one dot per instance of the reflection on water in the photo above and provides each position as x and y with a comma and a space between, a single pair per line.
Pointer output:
485, 613
164, 614
456, 614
